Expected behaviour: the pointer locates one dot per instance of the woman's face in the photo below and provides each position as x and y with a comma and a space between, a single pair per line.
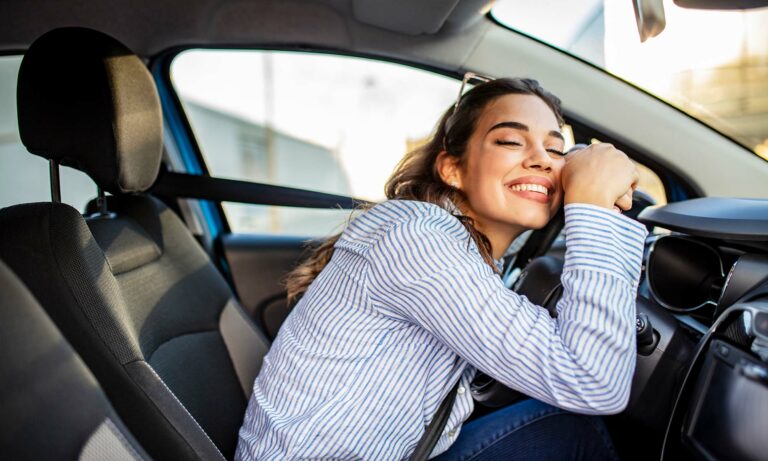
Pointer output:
511, 170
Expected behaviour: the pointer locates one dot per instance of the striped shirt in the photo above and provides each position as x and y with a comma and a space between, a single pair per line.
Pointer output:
407, 306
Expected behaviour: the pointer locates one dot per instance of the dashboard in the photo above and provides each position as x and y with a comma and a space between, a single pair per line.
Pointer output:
705, 281
715, 253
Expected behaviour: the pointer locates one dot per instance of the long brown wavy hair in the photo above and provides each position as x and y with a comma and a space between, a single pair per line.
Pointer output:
416, 177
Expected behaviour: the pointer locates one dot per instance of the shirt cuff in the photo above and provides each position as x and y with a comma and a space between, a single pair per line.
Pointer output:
600, 239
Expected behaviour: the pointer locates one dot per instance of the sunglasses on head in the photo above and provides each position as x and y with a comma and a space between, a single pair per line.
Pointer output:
470, 78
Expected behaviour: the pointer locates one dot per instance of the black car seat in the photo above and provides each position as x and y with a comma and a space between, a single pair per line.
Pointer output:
129, 286
52, 406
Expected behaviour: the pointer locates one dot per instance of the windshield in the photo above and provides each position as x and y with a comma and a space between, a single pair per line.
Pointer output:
712, 65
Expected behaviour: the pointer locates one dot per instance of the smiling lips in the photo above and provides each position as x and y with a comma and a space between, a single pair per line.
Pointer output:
536, 188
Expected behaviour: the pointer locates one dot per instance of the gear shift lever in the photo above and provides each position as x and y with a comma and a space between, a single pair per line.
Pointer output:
647, 339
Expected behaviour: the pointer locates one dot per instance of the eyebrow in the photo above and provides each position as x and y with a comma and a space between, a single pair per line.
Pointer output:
523, 127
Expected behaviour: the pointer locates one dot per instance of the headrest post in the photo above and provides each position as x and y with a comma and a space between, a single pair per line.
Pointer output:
101, 203
101, 206
55, 182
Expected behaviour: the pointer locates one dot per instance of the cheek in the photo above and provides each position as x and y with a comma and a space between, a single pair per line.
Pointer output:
557, 169
487, 179
495, 168
557, 202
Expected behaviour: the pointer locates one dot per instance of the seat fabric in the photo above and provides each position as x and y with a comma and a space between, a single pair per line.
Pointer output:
52, 406
144, 306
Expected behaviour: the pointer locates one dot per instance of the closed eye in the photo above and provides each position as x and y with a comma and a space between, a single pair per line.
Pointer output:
502, 142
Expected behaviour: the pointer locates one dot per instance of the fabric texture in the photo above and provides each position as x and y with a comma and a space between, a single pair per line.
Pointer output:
108, 443
406, 307
200, 445
125, 244
96, 110
532, 430
51, 403
119, 303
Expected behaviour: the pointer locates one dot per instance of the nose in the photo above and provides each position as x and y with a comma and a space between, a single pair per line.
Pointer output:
538, 159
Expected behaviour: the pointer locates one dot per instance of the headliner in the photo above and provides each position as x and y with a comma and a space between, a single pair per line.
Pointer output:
394, 28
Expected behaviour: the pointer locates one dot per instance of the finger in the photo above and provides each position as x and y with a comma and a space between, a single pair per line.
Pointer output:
625, 201
574, 149
573, 153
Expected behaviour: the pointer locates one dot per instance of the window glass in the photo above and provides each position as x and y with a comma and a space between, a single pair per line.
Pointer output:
24, 178
711, 64
651, 184
312, 121
264, 219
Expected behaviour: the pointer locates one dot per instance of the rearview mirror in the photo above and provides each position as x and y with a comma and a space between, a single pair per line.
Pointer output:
651, 21
649, 15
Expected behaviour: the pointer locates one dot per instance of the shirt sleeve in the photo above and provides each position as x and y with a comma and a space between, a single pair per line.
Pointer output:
426, 271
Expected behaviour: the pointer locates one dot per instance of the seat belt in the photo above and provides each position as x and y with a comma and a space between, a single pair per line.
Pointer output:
172, 184
435, 428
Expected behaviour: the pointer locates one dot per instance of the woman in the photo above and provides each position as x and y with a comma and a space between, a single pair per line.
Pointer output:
407, 301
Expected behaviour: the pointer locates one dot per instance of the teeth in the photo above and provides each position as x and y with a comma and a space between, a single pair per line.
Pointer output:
530, 187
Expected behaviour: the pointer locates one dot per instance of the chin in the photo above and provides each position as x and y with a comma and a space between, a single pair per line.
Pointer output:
532, 220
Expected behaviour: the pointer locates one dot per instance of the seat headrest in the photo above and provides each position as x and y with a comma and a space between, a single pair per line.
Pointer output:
87, 101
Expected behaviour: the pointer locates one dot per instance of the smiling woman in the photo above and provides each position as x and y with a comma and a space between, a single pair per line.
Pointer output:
407, 303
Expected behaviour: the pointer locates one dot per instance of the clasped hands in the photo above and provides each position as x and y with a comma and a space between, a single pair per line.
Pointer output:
599, 175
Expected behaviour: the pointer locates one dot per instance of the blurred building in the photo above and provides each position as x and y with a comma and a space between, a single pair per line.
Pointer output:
239, 149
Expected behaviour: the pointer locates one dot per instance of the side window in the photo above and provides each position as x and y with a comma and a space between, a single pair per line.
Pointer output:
312, 121
23, 177
651, 184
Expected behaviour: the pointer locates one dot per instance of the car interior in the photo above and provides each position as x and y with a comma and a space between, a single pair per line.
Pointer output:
133, 324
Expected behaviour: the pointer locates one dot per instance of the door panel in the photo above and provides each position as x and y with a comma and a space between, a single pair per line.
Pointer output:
258, 264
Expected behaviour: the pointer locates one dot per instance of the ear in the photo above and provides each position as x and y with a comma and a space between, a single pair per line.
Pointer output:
448, 169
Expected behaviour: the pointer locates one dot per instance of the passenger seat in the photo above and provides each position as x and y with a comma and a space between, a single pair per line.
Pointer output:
129, 286
52, 406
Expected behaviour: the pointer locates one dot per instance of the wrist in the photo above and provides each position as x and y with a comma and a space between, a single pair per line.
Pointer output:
588, 199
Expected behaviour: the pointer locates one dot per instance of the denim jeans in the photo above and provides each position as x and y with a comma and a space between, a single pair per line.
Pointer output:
532, 430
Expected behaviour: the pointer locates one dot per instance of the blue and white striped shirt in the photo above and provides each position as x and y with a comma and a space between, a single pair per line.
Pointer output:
407, 306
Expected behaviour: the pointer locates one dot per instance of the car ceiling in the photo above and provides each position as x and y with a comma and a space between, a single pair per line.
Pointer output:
401, 29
